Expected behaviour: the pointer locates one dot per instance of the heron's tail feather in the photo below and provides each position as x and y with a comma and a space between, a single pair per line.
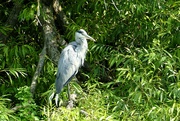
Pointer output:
51, 97
56, 98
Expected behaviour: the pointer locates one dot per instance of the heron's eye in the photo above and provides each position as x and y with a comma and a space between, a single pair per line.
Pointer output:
80, 32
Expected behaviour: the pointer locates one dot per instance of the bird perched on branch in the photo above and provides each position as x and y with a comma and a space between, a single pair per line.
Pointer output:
71, 59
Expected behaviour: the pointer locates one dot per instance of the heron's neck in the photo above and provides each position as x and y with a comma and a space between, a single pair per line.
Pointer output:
82, 44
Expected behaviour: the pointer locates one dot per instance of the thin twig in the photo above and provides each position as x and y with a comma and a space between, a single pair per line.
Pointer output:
38, 20
105, 4
84, 112
115, 6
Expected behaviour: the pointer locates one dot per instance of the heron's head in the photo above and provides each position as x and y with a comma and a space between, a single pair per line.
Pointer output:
81, 34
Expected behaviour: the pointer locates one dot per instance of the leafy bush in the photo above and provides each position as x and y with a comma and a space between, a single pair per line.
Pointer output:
5, 113
147, 80
26, 108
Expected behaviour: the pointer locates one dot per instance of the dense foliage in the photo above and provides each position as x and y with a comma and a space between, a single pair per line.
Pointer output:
135, 62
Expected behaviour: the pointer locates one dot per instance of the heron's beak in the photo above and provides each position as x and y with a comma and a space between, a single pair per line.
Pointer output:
88, 37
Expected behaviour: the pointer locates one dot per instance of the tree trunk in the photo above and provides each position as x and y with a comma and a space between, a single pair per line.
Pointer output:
60, 19
51, 42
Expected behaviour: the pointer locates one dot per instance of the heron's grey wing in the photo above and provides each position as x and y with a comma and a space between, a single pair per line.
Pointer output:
68, 65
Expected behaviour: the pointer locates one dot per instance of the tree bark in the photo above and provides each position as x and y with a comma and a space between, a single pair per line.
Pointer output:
51, 36
51, 42
60, 19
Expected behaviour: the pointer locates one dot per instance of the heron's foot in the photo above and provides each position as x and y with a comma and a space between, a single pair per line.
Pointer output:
73, 97
70, 104
71, 101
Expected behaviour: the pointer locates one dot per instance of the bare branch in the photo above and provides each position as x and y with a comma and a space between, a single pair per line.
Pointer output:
38, 69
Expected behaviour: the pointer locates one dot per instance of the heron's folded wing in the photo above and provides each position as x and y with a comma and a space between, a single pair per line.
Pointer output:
68, 65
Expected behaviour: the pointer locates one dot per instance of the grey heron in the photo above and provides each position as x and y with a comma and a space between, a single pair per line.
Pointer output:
71, 59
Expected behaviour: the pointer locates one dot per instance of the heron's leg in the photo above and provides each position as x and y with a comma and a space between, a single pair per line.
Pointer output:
69, 92
56, 100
